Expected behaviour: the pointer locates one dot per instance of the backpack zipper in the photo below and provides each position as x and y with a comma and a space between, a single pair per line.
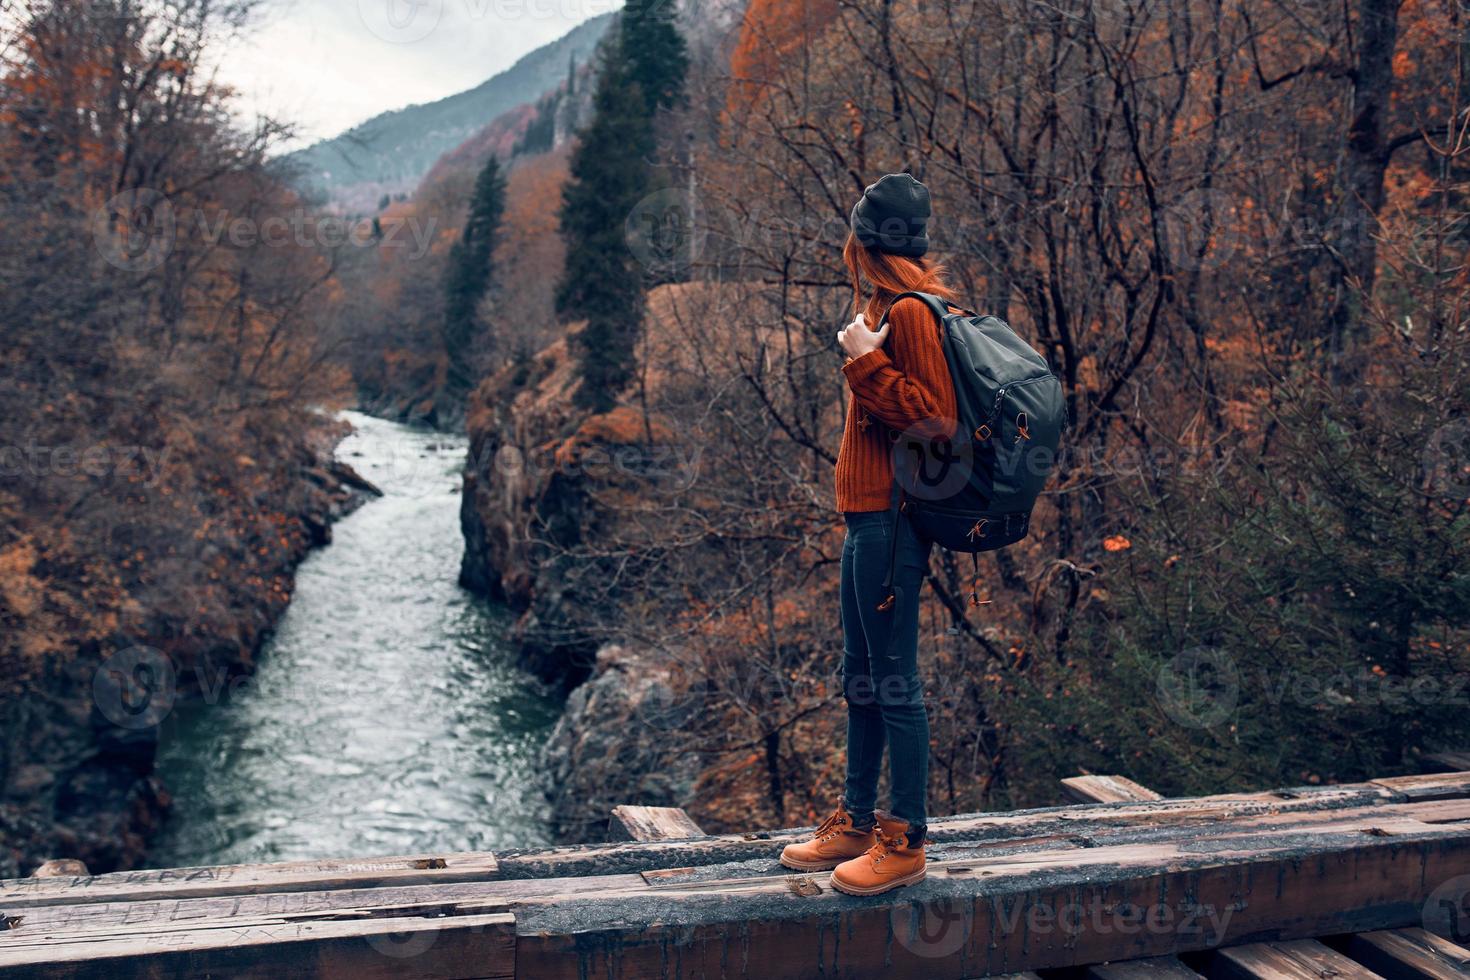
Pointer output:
1000, 396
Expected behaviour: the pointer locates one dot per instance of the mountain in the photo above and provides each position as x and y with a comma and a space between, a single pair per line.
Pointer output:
389, 153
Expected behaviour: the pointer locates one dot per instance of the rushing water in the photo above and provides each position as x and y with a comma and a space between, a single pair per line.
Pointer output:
385, 716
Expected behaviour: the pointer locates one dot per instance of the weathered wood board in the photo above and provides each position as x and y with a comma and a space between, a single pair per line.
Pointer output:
1107, 789
475, 946
638, 856
1274, 878
1408, 953
644, 823
1122, 884
240, 879
1157, 968
1303, 959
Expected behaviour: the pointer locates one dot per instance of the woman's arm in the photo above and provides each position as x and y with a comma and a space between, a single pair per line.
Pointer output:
905, 384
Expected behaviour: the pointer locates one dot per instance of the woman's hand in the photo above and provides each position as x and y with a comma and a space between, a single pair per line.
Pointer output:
856, 339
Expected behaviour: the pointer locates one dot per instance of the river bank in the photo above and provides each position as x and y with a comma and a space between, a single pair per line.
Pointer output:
384, 715
79, 727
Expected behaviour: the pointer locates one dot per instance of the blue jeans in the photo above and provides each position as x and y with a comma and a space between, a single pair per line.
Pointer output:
880, 670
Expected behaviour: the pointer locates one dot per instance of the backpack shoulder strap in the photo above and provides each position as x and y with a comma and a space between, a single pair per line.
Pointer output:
939, 307
935, 304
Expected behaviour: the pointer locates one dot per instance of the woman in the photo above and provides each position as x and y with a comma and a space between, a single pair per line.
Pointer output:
899, 384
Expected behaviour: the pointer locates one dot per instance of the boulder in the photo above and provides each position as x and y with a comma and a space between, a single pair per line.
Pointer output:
611, 745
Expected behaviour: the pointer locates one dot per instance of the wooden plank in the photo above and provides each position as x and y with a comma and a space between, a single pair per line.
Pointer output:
1408, 954
1142, 892
1301, 831
129, 916
1051, 910
1449, 761
481, 946
1304, 959
643, 823
1107, 789
1434, 786
654, 855
238, 879
1155, 968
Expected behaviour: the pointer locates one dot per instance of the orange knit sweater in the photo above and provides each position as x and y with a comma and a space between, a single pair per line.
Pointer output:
903, 386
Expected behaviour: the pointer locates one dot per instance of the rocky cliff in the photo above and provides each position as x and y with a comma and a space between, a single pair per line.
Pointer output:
542, 484
546, 486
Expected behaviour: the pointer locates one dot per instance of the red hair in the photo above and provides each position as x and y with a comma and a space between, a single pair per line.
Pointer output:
887, 275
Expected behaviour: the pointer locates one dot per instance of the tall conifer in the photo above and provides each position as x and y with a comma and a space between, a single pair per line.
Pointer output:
642, 71
468, 279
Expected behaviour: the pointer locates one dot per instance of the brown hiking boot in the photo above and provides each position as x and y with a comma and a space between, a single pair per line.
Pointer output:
890, 863
836, 840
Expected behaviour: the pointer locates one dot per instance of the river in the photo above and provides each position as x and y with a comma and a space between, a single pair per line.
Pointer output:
385, 715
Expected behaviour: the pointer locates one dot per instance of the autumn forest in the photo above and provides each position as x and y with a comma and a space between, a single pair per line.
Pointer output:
1236, 230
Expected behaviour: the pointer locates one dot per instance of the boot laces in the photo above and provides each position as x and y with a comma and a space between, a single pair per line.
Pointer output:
831, 827
886, 845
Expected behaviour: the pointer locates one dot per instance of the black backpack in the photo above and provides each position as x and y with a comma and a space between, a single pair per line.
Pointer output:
975, 492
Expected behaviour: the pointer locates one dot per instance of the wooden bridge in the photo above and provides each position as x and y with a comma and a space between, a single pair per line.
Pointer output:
1355, 881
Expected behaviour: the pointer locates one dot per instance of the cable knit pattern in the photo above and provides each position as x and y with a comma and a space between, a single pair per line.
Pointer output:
903, 386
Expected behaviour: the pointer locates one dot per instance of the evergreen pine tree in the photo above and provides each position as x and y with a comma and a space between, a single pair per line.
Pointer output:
642, 70
656, 57
468, 279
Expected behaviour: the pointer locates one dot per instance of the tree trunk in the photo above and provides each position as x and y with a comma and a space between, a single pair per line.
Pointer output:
1365, 158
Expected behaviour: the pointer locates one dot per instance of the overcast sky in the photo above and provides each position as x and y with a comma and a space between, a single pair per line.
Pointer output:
326, 65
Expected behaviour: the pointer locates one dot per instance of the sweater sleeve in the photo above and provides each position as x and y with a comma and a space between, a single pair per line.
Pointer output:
905, 384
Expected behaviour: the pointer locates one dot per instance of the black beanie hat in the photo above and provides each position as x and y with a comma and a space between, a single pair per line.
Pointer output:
891, 216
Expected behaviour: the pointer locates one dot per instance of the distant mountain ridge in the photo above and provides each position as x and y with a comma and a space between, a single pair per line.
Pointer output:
391, 152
